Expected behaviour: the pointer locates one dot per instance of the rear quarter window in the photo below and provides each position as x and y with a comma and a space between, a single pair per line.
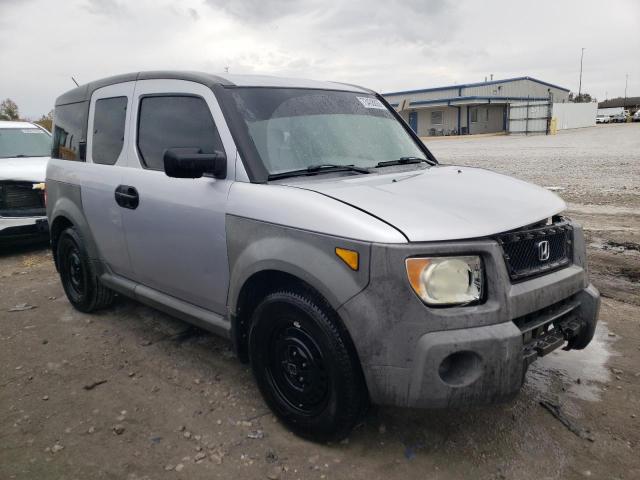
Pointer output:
70, 131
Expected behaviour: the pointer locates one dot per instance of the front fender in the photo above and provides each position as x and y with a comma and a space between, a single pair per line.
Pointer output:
255, 246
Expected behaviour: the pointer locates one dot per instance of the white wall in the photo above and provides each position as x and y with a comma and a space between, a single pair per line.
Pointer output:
574, 115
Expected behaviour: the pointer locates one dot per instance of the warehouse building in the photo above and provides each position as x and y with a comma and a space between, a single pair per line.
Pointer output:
514, 105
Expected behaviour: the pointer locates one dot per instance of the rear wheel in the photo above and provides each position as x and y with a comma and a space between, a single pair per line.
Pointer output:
305, 366
79, 280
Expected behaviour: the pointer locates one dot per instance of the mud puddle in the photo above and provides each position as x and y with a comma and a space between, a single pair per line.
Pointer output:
616, 247
579, 373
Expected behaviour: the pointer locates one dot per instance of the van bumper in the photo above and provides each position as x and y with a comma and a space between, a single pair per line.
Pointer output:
487, 364
415, 356
475, 366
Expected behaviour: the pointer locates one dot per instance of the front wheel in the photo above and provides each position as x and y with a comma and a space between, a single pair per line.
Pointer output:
79, 280
305, 366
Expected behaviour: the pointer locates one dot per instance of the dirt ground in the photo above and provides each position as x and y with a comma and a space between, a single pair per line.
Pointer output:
133, 394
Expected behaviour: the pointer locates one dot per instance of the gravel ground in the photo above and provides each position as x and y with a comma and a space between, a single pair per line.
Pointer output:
131, 393
597, 165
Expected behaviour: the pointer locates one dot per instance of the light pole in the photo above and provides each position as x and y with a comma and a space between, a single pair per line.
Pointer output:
626, 82
580, 84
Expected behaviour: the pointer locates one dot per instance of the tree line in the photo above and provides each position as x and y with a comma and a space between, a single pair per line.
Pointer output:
9, 111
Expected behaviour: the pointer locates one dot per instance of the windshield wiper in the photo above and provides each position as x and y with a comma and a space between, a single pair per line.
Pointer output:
319, 168
402, 161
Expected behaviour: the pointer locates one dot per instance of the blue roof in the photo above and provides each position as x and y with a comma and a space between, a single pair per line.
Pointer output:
477, 84
451, 100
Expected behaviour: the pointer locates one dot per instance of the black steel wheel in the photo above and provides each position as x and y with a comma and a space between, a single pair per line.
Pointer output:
296, 368
306, 367
79, 280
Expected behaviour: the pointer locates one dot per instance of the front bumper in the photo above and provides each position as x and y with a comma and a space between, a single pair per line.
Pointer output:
416, 356
18, 228
487, 364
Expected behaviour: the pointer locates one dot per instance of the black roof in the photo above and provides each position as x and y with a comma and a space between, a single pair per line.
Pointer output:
83, 92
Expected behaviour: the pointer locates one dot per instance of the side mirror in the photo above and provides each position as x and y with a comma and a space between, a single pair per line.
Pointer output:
192, 163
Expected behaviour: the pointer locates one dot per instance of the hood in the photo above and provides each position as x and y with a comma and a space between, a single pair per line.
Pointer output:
442, 203
27, 169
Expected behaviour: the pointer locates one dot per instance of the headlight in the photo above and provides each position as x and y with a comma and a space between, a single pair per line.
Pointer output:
446, 280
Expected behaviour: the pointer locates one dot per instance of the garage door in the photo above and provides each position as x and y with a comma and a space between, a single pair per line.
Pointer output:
529, 117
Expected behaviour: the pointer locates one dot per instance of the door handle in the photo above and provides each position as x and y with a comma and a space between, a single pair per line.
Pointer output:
127, 197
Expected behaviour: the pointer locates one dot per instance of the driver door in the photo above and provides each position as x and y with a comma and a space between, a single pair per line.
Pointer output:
176, 232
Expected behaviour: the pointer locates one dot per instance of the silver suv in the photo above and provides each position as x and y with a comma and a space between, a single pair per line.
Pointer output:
307, 223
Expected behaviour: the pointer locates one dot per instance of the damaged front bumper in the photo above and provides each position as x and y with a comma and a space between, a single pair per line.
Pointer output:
487, 364
416, 356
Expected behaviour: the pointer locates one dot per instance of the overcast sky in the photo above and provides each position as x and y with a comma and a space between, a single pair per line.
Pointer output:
386, 45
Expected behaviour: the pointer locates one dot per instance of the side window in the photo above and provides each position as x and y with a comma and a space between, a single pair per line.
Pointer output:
436, 117
172, 122
108, 129
70, 131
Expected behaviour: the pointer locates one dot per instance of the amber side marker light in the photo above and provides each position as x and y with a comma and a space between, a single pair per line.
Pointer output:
350, 257
415, 267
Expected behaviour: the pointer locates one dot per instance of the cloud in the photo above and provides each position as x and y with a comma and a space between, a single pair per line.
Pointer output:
260, 11
386, 45
194, 13
107, 8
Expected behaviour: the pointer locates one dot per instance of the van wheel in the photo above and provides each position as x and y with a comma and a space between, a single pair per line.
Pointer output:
303, 362
79, 280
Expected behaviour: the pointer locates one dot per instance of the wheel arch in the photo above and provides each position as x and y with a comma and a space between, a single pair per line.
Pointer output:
67, 212
59, 225
263, 281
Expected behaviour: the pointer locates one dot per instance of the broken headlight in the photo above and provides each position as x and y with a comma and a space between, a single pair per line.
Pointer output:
446, 281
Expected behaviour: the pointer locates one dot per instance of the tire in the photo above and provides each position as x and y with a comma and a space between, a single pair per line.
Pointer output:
305, 366
78, 277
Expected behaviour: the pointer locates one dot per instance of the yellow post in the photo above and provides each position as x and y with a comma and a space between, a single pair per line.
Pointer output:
553, 127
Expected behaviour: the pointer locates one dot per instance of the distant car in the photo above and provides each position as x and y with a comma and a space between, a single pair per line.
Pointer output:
24, 153
603, 119
619, 118
636, 117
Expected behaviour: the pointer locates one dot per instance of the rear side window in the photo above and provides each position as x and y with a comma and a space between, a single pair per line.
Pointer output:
70, 131
174, 122
108, 129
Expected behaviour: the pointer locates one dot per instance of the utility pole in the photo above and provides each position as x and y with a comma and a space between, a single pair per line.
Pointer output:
626, 82
580, 84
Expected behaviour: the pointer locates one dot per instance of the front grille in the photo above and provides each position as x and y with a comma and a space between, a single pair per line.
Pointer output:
20, 199
522, 249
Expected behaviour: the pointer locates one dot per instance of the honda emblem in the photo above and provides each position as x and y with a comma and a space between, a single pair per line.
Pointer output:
544, 251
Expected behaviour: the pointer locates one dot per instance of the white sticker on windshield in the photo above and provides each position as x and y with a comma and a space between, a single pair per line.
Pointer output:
31, 130
370, 102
